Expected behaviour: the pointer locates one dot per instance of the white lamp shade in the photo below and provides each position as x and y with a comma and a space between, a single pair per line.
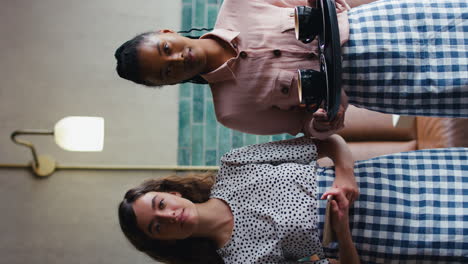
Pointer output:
80, 133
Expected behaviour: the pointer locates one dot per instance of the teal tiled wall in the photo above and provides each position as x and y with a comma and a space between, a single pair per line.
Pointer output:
202, 140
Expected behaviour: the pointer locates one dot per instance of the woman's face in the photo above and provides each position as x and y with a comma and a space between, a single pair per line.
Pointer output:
168, 58
165, 216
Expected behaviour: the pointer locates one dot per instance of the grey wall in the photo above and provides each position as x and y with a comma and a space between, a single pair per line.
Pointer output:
70, 217
56, 60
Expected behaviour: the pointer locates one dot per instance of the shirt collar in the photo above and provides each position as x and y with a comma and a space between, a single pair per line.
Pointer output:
223, 72
224, 34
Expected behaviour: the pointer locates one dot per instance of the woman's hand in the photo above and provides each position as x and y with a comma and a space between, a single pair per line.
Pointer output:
321, 122
341, 5
341, 11
339, 210
321, 128
340, 224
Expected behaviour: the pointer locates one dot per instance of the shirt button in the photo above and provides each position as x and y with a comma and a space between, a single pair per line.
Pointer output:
277, 52
243, 54
285, 90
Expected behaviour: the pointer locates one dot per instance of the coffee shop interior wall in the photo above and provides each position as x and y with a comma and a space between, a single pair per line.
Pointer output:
57, 60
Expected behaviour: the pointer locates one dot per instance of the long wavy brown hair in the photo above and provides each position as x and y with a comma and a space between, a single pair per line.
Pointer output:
195, 187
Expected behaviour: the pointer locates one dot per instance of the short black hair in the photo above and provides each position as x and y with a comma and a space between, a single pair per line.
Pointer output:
128, 66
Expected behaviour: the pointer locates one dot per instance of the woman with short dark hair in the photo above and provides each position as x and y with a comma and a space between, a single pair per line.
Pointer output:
407, 57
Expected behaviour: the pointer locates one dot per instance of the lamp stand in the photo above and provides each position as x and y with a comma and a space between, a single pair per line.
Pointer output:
46, 166
42, 165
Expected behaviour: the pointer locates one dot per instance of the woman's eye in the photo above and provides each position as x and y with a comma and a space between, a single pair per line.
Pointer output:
162, 204
166, 48
157, 228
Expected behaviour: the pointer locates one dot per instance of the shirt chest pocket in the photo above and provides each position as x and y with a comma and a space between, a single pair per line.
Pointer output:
285, 95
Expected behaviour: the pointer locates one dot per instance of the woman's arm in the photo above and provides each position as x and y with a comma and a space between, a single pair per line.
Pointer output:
347, 249
340, 224
354, 3
343, 3
336, 148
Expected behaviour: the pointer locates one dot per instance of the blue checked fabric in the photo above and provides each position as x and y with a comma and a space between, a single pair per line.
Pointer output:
413, 207
408, 57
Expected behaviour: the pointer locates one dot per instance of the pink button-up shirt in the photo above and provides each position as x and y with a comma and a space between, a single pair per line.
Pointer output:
256, 92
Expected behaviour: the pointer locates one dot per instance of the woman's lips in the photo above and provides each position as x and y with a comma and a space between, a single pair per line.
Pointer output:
190, 57
182, 217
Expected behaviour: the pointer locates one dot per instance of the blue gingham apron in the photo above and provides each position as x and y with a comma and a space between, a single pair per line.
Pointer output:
413, 207
408, 57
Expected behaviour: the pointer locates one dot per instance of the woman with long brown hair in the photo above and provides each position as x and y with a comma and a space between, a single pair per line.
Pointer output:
264, 207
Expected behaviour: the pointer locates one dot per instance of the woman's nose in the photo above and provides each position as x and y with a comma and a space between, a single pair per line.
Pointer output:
165, 214
177, 57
